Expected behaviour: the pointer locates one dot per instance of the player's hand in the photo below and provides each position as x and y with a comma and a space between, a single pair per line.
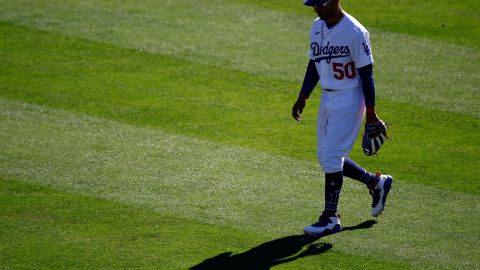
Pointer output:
297, 108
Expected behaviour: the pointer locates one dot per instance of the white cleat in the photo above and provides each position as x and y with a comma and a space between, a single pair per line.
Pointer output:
326, 225
379, 194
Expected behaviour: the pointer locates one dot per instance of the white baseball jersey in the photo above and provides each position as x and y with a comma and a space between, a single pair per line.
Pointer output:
339, 51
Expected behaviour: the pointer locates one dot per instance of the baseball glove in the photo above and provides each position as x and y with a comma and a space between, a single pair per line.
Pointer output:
374, 137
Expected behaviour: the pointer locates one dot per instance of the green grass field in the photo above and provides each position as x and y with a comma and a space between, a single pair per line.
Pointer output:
157, 135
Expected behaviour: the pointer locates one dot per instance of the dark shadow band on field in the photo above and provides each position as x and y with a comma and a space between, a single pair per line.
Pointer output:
272, 253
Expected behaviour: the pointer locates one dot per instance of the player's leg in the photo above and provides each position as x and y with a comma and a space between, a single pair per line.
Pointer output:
332, 167
336, 133
354, 171
328, 221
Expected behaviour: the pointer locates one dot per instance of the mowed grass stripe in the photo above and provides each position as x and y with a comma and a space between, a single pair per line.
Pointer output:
229, 186
233, 108
259, 41
43, 228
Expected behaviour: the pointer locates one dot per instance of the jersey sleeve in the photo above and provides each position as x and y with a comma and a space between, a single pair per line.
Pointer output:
361, 52
313, 29
310, 52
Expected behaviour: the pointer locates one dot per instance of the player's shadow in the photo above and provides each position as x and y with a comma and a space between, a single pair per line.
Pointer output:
269, 254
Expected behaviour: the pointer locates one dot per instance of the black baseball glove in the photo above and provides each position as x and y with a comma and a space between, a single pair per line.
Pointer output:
374, 137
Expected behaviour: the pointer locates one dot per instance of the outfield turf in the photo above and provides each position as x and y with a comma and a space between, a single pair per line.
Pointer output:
158, 135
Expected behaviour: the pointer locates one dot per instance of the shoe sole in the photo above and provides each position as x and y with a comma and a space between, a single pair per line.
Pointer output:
387, 186
335, 229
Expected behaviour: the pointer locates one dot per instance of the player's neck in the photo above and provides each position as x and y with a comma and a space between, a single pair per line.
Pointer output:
335, 18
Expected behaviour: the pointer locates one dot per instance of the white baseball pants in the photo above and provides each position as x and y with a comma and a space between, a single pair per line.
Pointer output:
339, 120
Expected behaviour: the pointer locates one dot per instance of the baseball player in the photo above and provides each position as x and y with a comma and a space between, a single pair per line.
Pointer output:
341, 59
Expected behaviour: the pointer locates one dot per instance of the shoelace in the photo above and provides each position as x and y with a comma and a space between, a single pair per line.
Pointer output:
376, 180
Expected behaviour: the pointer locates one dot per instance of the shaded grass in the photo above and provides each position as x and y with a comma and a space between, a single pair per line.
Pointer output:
229, 107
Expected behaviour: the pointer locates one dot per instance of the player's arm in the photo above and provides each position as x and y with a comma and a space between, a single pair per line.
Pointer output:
368, 87
309, 82
363, 58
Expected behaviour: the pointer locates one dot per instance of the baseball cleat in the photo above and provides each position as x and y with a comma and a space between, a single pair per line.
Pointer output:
327, 224
379, 194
